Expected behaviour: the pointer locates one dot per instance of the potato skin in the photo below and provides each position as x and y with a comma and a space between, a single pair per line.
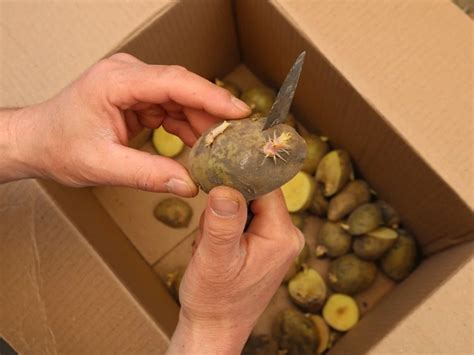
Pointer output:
235, 158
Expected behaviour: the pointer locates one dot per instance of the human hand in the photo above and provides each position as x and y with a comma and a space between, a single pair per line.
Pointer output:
233, 275
79, 137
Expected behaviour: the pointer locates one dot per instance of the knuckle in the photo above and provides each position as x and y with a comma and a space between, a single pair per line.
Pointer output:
121, 56
104, 66
175, 71
219, 233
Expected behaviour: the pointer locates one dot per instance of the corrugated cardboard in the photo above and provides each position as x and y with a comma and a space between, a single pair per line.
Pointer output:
376, 80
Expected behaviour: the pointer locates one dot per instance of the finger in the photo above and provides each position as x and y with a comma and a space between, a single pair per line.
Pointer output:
200, 120
271, 218
223, 225
151, 117
160, 84
133, 168
133, 125
180, 129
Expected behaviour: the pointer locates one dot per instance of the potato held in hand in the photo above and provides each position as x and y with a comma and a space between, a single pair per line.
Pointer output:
240, 155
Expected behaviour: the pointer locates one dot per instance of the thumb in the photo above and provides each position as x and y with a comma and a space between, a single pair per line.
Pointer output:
141, 170
223, 224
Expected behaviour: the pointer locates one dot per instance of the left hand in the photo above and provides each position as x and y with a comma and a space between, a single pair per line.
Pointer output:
79, 137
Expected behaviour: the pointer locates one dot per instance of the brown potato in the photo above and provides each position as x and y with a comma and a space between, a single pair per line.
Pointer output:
261, 344
260, 99
240, 155
295, 333
400, 260
173, 281
323, 331
375, 244
308, 290
390, 216
174, 212
316, 150
350, 274
364, 219
229, 86
333, 240
354, 194
319, 204
334, 171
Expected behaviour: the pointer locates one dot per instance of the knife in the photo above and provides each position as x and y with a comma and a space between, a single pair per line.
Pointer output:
281, 106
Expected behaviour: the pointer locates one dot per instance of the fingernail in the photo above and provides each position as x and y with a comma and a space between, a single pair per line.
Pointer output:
242, 106
224, 207
179, 187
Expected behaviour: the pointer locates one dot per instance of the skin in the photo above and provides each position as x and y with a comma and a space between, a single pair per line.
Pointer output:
79, 137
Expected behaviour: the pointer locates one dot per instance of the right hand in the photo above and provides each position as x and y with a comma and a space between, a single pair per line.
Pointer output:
233, 275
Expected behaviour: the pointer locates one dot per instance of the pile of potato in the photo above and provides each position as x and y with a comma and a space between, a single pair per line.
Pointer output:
360, 236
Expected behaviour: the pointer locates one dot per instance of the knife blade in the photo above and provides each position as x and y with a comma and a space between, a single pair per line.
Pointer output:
281, 106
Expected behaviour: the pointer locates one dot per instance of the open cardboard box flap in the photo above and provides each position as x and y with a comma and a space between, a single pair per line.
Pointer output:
389, 82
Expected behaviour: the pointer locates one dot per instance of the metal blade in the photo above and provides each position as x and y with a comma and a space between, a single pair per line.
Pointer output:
281, 106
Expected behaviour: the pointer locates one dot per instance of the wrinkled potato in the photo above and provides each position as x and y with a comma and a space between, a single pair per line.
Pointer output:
174, 212
308, 290
261, 344
240, 155
375, 244
260, 99
334, 171
333, 240
316, 150
229, 86
354, 194
349, 274
295, 333
319, 204
297, 263
364, 219
341, 312
390, 216
323, 331
400, 260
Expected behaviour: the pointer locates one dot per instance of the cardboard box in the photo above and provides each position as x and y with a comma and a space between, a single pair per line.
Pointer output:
388, 81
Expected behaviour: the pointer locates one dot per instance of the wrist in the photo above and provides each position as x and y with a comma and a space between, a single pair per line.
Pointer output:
16, 162
207, 338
